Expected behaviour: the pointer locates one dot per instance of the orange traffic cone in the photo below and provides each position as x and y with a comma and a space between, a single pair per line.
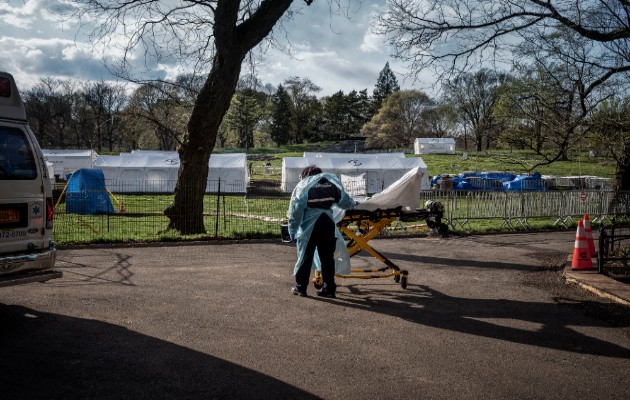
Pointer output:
589, 236
581, 255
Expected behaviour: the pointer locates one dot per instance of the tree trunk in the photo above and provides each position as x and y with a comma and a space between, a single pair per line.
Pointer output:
232, 43
186, 211
622, 173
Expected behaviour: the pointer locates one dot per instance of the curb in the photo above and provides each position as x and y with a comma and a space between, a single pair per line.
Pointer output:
598, 284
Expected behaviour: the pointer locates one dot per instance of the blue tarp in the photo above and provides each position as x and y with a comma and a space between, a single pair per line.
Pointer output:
86, 193
531, 182
495, 181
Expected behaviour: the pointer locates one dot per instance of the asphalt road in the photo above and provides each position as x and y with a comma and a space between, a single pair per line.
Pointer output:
483, 317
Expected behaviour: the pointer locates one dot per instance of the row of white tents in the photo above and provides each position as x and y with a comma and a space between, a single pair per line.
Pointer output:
145, 171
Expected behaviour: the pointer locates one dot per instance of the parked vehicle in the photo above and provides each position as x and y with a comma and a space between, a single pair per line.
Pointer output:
27, 251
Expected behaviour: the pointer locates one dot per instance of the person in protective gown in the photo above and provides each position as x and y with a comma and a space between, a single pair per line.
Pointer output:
312, 227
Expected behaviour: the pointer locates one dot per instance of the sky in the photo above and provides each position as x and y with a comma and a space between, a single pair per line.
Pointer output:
38, 39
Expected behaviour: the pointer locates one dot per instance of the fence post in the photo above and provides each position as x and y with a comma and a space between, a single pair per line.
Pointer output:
216, 222
601, 245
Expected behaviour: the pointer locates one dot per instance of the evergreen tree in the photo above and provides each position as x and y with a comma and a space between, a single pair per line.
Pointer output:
385, 85
242, 116
335, 115
359, 108
281, 117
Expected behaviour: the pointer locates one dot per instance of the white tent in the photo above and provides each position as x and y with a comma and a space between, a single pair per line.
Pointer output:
156, 172
346, 155
139, 174
232, 171
434, 146
378, 172
67, 161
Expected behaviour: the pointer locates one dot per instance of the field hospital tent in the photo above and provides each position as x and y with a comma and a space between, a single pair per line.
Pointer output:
434, 146
360, 173
86, 193
346, 155
67, 161
156, 172
231, 169
139, 174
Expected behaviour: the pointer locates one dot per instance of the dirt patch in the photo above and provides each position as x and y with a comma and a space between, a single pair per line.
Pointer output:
548, 276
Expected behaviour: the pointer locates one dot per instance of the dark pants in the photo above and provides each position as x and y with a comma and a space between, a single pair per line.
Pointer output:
323, 239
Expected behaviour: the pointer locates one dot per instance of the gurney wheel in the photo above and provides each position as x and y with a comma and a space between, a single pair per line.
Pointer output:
318, 281
397, 278
403, 280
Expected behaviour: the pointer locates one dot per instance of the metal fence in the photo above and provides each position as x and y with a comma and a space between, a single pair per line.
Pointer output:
614, 250
516, 209
258, 212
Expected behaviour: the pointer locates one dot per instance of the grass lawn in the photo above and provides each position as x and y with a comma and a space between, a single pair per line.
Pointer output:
240, 216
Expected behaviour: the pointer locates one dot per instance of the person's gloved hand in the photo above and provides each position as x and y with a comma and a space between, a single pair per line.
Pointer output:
293, 239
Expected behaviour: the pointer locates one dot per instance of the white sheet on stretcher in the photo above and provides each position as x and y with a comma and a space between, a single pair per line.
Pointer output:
404, 192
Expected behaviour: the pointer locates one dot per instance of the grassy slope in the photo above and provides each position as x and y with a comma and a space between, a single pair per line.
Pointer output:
439, 164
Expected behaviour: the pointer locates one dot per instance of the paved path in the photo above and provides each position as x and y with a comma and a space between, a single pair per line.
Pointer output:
484, 317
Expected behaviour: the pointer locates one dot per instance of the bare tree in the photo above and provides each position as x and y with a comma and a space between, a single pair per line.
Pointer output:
475, 96
460, 34
105, 102
50, 106
213, 33
591, 38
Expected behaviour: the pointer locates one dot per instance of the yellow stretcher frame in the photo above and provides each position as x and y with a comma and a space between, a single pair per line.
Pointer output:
369, 225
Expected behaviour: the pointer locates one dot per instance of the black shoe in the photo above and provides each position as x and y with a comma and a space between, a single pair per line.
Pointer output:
298, 292
326, 293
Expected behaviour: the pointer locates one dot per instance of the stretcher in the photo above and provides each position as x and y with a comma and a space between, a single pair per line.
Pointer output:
360, 226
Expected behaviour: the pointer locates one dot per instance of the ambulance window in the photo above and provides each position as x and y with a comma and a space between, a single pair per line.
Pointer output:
16, 157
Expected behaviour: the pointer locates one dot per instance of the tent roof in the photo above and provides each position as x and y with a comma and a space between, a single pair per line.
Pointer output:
353, 155
353, 163
168, 160
69, 153
435, 140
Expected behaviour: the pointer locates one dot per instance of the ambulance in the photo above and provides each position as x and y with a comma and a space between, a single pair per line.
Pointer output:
27, 250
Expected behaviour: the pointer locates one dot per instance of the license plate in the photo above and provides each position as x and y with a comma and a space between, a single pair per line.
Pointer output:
9, 216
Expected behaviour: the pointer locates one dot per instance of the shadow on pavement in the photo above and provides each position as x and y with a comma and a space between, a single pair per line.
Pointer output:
536, 324
51, 356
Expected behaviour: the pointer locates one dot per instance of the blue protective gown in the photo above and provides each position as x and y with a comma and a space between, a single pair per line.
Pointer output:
302, 220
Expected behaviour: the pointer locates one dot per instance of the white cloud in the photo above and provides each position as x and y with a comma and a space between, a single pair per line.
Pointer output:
372, 43
332, 51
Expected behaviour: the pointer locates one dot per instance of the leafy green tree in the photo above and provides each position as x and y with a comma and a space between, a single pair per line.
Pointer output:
281, 117
399, 121
386, 84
